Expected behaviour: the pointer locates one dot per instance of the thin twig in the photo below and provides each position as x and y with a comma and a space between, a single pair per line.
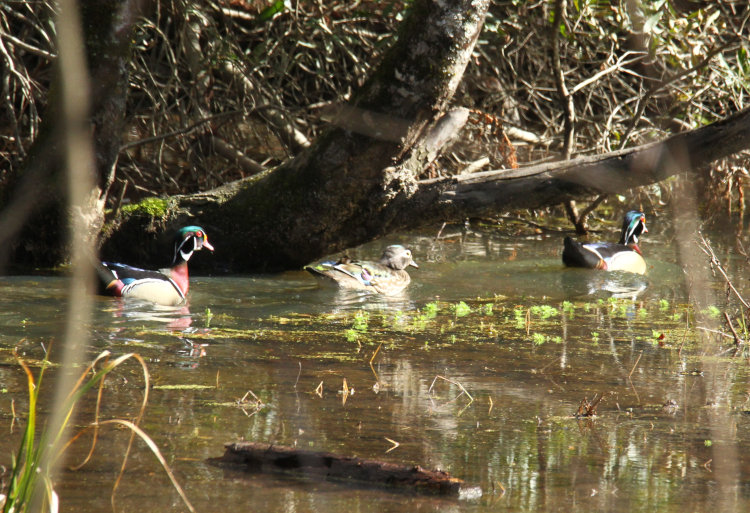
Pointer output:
684, 333
737, 339
635, 364
377, 378
706, 248
454, 382
566, 97
298, 374
182, 131
619, 64
643, 101
533, 224
27, 47
715, 332
394, 442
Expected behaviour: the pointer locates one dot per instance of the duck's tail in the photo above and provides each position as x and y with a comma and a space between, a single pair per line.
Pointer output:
108, 282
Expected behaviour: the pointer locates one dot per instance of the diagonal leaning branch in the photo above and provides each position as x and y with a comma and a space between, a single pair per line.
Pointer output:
615, 172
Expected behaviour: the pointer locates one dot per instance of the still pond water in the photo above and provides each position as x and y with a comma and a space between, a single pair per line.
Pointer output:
477, 369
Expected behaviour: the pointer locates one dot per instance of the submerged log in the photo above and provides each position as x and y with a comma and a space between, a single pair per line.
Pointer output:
264, 457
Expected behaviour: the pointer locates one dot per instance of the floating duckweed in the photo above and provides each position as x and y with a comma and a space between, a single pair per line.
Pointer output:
361, 321
428, 312
544, 311
419, 322
460, 309
441, 323
360, 325
431, 309
712, 312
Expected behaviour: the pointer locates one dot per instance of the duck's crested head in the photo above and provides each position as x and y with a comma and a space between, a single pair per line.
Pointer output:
189, 239
633, 225
397, 257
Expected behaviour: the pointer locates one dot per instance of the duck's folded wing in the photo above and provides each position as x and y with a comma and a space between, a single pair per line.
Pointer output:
346, 275
363, 272
577, 254
127, 273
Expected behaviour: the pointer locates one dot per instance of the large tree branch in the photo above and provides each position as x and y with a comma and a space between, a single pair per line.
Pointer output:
613, 173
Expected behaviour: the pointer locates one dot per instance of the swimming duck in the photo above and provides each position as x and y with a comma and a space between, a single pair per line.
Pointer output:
386, 276
165, 286
623, 256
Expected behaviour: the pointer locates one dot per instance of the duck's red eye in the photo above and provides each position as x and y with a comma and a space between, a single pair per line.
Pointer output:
199, 233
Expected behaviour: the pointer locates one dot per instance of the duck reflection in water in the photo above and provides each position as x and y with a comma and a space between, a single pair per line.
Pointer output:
619, 284
176, 318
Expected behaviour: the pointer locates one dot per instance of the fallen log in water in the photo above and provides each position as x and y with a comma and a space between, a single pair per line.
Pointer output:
263, 457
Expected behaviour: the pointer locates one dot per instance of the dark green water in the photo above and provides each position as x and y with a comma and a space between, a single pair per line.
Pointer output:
479, 369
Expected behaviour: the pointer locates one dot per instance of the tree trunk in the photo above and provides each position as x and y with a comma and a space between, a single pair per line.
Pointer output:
34, 217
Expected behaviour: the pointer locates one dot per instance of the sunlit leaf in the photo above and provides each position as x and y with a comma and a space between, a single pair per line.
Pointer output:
742, 60
271, 10
651, 22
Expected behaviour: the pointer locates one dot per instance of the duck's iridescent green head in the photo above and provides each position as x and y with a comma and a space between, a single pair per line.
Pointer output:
633, 226
189, 239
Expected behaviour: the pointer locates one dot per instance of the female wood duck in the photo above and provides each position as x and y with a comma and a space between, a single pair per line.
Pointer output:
623, 256
386, 276
166, 286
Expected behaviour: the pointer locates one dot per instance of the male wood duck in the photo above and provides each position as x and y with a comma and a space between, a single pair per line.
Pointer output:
165, 286
386, 276
623, 256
